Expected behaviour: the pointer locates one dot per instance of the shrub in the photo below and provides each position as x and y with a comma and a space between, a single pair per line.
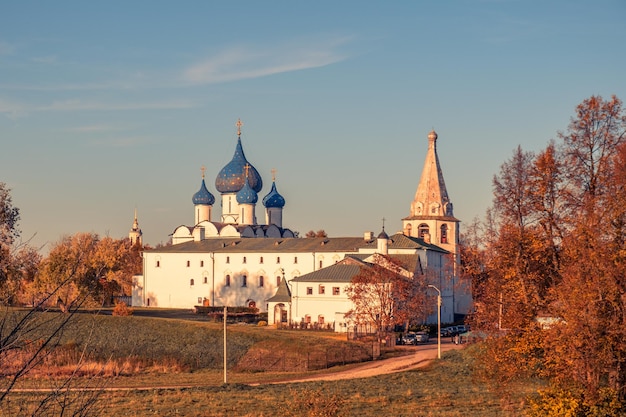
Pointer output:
262, 323
121, 309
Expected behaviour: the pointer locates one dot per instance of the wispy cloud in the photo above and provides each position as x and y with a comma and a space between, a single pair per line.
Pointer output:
74, 105
244, 62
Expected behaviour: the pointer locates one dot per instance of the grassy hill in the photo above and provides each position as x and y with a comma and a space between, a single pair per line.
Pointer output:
170, 352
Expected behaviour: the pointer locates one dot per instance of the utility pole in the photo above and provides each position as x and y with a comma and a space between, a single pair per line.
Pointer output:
225, 357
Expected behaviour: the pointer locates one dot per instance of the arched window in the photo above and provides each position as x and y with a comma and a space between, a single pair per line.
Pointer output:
408, 229
422, 230
261, 281
444, 233
191, 281
320, 319
244, 281
206, 280
277, 281
227, 281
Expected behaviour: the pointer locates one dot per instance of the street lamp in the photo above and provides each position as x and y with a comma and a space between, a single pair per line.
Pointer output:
438, 321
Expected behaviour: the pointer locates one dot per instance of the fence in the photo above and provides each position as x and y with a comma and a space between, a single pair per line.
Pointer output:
299, 362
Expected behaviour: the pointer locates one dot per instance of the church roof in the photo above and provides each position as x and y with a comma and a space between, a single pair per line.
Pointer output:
401, 241
232, 177
431, 198
247, 195
203, 196
283, 293
339, 272
279, 245
273, 198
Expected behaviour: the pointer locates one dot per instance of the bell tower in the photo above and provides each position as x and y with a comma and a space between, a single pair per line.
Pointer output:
431, 216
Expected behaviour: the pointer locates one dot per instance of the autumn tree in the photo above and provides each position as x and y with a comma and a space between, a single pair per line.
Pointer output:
319, 233
586, 351
384, 294
554, 243
9, 232
100, 267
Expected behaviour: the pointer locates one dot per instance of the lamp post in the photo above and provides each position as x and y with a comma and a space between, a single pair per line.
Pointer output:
438, 321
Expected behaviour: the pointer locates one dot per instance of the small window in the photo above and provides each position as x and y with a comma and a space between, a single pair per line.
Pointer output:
188, 264
321, 264
444, 233
191, 281
228, 259
244, 281
261, 260
320, 319
307, 319
227, 283
199, 300
322, 289
277, 281
261, 281
201, 264
335, 290
278, 259
244, 259
295, 259
206, 280
309, 290
158, 264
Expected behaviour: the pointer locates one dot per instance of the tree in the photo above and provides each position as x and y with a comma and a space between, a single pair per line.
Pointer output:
100, 268
555, 243
23, 345
9, 232
384, 294
319, 233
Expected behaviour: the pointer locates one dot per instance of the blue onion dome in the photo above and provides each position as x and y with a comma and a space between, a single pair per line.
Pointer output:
247, 195
203, 196
232, 177
273, 199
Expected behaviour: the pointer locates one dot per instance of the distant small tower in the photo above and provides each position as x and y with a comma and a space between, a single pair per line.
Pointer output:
135, 233
383, 242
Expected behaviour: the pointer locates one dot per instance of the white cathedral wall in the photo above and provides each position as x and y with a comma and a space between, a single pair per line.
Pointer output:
169, 283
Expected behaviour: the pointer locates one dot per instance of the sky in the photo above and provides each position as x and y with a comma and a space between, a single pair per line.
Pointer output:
111, 107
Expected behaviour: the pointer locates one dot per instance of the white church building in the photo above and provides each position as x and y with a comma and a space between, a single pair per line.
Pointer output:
236, 261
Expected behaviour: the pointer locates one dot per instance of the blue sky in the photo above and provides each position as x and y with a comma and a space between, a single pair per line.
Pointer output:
108, 107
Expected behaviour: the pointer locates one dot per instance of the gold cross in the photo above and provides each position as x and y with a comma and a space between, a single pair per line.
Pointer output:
273, 174
203, 168
247, 168
239, 124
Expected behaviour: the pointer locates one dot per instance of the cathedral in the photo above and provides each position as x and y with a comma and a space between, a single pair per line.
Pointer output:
231, 259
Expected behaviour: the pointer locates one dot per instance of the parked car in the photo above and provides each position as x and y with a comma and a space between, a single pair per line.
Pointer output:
421, 337
408, 339
462, 329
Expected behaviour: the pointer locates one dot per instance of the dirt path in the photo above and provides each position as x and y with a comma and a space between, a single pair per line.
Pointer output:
422, 356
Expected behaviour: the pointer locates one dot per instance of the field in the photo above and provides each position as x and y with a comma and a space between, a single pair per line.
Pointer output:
173, 367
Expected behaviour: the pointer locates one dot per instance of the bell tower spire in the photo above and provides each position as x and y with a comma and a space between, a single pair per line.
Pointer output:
431, 215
